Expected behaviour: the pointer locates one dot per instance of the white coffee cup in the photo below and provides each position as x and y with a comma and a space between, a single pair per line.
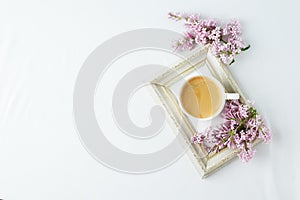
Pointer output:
223, 95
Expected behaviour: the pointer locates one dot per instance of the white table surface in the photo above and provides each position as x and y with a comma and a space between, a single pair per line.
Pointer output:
42, 47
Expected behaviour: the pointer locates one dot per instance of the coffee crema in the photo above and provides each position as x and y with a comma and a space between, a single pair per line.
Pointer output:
201, 97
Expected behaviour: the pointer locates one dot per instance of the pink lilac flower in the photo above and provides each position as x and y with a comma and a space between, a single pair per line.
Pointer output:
191, 21
201, 137
225, 42
235, 110
265, 134
232, 30
185, 43
246, 155
241, 127
215, 34
198, 138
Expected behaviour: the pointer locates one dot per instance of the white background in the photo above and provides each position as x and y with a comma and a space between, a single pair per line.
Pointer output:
42, 47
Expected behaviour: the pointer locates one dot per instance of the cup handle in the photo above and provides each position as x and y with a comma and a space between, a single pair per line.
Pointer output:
232, 96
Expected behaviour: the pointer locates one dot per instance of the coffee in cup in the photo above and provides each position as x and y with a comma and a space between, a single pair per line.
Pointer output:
204, 97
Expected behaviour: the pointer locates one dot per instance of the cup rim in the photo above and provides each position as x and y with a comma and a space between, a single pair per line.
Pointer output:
223, 100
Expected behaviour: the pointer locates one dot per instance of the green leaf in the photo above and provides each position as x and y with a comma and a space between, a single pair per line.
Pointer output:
232, 62
246, 48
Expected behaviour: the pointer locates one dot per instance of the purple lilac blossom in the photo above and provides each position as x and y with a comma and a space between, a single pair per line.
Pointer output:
225, 42
241, 127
